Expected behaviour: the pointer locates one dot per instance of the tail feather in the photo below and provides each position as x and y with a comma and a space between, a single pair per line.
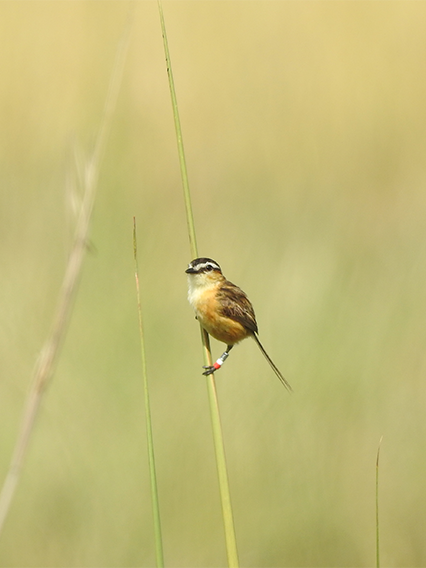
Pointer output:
274, 367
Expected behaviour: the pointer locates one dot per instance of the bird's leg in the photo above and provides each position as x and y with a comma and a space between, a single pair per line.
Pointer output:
209, 369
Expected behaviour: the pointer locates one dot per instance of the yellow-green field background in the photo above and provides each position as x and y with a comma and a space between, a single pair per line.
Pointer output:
305, 132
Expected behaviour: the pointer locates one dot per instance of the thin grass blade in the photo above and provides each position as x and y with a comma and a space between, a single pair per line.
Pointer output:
149, 434
228, 520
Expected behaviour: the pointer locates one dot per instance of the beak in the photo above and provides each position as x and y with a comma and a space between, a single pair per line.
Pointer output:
190, 270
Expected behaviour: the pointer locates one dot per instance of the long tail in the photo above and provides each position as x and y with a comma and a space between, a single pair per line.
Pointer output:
274, 367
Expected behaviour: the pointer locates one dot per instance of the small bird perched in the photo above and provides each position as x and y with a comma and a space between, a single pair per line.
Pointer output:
223, 310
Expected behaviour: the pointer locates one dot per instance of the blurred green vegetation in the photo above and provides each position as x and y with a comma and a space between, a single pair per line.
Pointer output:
305, 131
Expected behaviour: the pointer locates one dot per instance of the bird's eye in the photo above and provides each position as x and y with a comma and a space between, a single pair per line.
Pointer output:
209, 267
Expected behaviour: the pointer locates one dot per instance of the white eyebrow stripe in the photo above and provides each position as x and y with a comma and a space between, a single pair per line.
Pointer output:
205, 264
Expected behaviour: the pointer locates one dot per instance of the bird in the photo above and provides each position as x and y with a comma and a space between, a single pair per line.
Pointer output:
223, 310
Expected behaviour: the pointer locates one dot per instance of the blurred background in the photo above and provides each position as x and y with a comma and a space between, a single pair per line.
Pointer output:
305, 132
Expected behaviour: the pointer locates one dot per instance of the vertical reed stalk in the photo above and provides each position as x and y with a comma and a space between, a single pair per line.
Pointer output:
377, 505
49, 354
227, 514
150, 439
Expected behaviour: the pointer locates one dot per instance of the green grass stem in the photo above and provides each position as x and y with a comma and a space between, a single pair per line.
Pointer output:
231, 545
181, 153
150, 439
377, 505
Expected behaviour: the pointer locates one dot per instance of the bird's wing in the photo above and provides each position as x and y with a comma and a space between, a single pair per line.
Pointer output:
236, 306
